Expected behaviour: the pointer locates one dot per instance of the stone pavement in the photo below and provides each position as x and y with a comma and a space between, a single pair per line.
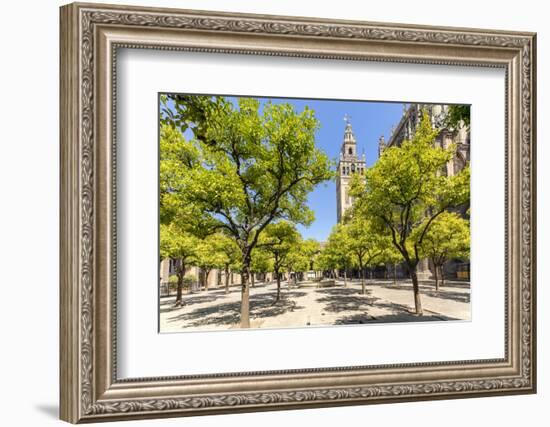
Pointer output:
310, 305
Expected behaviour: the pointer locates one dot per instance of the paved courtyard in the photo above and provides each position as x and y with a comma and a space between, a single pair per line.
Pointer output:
309, 304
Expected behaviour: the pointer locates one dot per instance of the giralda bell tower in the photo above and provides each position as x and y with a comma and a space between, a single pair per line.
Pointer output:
348, 164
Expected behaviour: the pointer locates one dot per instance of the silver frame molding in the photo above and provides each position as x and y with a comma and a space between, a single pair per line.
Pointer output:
90, 37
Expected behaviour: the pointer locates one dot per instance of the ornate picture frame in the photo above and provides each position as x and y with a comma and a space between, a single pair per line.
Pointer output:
90, 37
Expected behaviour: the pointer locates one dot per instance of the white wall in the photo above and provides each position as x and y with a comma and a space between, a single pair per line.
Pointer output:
29, 169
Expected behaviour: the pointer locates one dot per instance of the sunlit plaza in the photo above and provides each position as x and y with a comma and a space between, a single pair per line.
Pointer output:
316, 304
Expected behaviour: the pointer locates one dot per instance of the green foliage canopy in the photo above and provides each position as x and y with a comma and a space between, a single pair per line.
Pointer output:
251, 167
406, 190
364, 242
458, 115
335, 254
278, 240
447, 238
178, 244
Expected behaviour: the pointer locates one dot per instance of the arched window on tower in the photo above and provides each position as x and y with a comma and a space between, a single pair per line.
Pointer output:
350, 151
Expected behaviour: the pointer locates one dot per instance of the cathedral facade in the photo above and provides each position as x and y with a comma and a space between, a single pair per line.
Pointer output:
410, 120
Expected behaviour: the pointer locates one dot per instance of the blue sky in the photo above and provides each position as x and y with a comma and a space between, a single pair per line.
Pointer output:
370, 120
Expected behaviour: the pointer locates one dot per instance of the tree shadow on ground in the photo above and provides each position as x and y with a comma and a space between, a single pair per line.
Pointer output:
339, 303
393, 307
219, 291
229, 313
397, 313
344, 299
429, 290
188, 299
364, 318
196, 297
449, 295
260, 285
452, 284
399, 286
341, 291
266, 306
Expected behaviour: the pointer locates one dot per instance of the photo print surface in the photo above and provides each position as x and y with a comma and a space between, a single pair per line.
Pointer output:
281, 212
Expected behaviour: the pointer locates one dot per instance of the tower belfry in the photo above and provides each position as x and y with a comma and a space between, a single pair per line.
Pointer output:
349, 147
348, 164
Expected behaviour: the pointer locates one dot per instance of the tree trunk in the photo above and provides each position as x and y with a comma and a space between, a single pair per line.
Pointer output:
442, 275
226, 279
245, 298
416, 290
252, 279
205, 280
394, 274
278, 286
362, 270
179, 291
345, 278
436, 275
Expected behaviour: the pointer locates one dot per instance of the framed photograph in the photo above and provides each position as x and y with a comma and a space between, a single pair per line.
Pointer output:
267, 212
